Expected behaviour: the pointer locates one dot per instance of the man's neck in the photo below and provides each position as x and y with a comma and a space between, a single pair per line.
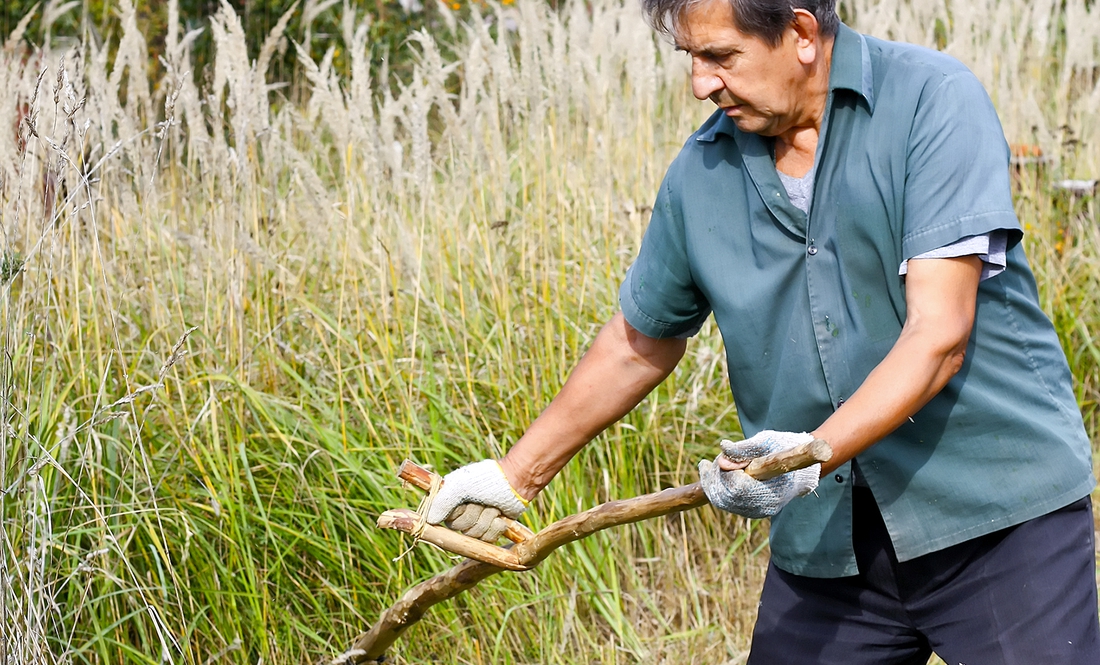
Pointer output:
796, 147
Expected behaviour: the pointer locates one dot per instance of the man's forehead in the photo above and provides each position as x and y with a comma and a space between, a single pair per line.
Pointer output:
705, 24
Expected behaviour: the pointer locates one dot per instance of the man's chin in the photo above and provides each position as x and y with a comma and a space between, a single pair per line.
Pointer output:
752, 124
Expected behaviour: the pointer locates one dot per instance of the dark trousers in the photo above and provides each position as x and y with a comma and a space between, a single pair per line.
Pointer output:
1025, 595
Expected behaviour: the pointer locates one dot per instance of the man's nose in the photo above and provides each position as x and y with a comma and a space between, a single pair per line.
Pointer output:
704, 80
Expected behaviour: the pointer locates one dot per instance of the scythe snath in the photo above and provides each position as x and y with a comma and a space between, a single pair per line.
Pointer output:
528, 549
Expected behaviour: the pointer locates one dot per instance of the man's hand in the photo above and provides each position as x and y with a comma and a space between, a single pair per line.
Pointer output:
473, 498
738, 492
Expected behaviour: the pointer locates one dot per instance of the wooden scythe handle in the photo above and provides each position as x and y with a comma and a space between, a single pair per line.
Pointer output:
761, 468
371, 646
799, 457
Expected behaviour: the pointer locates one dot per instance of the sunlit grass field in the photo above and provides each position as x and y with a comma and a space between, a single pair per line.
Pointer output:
230, 309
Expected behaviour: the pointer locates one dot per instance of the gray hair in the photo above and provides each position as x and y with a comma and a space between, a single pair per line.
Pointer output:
766, 19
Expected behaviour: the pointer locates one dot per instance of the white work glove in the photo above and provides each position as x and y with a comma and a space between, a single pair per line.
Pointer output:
738, 492
473, 498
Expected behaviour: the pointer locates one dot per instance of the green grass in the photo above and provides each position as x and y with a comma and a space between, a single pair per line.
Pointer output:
220, 341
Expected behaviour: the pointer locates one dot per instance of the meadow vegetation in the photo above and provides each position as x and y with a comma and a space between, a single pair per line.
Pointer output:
226, 318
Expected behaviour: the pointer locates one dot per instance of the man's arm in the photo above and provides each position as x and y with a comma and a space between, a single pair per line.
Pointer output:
616, 373
940, 297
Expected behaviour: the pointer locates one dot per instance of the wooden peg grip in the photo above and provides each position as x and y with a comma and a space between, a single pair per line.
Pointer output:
403, 519
416, 475
419, 477
799, 457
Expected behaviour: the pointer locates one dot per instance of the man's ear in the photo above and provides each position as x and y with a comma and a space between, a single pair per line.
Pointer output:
806, 35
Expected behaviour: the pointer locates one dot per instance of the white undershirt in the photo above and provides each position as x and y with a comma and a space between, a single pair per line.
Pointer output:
989, 247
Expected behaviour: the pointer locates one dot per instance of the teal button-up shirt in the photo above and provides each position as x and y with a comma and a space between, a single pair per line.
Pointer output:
912, 157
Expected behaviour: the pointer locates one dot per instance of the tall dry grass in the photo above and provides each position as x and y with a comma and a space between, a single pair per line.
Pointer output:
227, 316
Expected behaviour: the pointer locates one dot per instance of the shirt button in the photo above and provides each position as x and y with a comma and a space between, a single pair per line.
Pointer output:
839, 403
839, 478
811, 250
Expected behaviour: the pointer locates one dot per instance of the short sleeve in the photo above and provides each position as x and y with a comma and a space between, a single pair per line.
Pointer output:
659, 297
957, 181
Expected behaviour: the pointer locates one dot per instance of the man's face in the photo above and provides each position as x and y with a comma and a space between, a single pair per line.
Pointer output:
759, 86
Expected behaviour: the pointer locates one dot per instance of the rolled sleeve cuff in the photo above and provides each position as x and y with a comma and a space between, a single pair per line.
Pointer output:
989, 247
935, 237
652, 326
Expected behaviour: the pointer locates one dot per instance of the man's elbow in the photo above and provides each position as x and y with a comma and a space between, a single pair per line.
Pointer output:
951, 349
944, 347
955, 359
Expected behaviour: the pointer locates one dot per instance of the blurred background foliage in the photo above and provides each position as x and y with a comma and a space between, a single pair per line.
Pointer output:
221, 334
318, 23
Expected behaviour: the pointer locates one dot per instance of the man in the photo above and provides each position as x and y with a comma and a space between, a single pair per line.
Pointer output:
846, 217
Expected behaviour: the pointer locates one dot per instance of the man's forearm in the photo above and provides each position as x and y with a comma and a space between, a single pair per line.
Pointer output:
905, 381
940, 295
616, 373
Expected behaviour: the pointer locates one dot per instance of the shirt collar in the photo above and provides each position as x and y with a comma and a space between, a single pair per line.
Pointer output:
850, 70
